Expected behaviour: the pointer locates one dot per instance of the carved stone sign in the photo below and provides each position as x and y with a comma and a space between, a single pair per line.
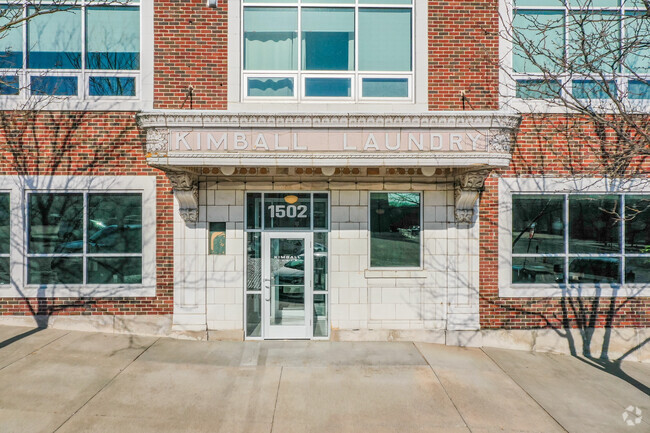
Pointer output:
224, 139
324, 140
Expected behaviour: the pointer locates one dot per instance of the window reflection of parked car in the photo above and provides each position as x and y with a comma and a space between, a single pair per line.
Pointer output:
320, 250
110, 239
536, 274
291, 276
113, 238
292, 272
289, 281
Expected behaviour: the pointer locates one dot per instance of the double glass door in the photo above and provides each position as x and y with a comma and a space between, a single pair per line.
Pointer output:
287, 284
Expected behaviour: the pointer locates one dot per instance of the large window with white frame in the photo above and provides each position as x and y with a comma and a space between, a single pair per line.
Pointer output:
84, 238
87, 49
71, 236
339, 50
580, 239
395, 230
588, 49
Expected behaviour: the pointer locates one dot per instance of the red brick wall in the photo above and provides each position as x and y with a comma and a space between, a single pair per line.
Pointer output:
88, 143
463, 54
543, 149
191, 49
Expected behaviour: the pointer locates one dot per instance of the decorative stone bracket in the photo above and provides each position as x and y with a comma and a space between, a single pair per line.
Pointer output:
186, 191
468, 187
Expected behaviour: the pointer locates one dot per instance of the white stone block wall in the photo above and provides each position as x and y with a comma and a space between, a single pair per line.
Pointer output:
225, 273
189, 274
403, 299
441, 295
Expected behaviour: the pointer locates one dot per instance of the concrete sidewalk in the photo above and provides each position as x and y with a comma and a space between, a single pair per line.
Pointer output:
54, 380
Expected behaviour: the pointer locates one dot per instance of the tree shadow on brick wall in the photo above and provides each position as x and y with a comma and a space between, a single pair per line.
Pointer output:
579, 171
585, 255
45, 151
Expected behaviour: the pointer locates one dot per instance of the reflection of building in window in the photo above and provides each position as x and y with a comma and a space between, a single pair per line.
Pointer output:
77, 238
606, 238
62, 60
587, 49
395, 229
314, 52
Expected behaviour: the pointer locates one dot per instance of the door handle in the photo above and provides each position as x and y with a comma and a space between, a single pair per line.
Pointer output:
267, 284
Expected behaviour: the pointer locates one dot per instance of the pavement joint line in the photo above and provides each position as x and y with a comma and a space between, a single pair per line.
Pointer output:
443, 386
35, 350
524, 390
277, 395
105, 385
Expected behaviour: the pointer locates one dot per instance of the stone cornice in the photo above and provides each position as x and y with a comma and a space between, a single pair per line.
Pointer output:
456, 159
223, 119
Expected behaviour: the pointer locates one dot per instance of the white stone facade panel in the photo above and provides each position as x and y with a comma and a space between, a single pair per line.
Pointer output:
443, 293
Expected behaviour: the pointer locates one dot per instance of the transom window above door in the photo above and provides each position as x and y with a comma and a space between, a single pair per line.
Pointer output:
287, 211
340, 50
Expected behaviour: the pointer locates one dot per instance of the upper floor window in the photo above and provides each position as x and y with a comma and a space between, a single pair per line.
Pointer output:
84, 50
588, 49
347, 51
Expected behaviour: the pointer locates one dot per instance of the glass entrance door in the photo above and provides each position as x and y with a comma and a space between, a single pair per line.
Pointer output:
288, 284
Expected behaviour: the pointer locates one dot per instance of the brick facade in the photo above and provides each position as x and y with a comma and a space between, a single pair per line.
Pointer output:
463, 46
83, 144
542, 150
191, 49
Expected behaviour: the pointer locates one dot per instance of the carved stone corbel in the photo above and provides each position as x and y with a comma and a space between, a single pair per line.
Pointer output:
186, 191
468, 187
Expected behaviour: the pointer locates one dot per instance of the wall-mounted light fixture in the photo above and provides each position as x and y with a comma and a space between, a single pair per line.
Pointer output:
291, 199
428, 171
212, 3
328, 171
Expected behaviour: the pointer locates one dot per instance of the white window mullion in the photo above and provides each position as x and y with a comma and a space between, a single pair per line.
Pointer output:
299, 85
357, 94
23, 79
566, 239
82, 78
567, 87
243, 84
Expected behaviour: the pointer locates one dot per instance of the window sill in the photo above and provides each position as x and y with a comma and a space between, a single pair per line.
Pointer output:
76, 291
60, 103
393, 273
370, 107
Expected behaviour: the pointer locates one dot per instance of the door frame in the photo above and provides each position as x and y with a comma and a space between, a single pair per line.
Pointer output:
280, 332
